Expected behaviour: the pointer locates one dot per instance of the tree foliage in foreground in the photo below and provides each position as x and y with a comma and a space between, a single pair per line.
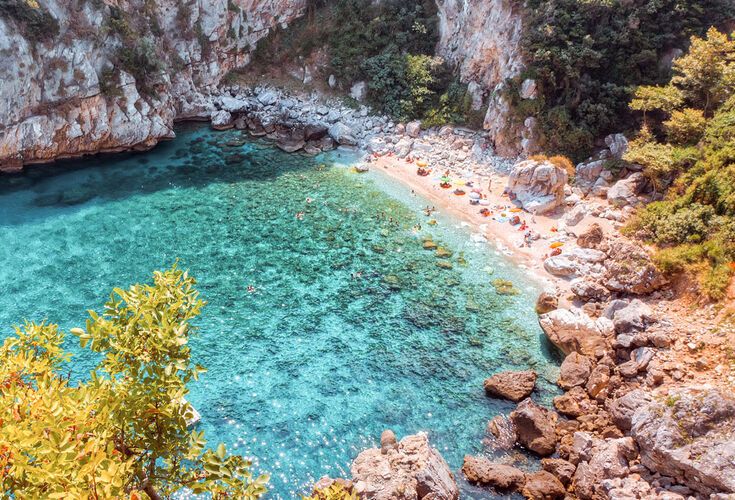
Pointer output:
687, 145
123, 432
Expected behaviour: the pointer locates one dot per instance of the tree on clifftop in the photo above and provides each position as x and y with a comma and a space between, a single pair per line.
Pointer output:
122, 433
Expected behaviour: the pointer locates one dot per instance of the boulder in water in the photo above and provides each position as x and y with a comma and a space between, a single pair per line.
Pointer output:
514, 386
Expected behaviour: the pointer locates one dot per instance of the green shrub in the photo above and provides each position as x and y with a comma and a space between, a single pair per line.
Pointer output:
685, 126
586, 57
715, 281
389, 45
36, 23
141, 61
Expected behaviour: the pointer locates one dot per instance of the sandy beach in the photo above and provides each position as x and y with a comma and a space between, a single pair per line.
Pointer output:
496, 225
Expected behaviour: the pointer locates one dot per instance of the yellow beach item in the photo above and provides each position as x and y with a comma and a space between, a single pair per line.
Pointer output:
556, 244
516, 210
422, 163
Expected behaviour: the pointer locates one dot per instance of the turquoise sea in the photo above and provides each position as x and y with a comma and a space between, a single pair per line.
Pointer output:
352, 328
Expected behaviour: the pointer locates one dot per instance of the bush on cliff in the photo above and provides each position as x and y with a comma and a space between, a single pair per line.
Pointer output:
687, 145
123, 432
36, 23
586, 56
389, 45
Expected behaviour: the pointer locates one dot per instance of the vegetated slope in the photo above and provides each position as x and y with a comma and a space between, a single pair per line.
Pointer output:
687, 149
388, 45
587, 56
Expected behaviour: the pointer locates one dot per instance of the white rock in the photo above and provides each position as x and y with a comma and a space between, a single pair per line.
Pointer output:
359, 91
413, 129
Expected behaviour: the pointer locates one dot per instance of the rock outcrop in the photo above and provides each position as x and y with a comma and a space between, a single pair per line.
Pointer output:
535, 426
572, 330
411, 470
482, 39
78, 92
537, 185
689, 436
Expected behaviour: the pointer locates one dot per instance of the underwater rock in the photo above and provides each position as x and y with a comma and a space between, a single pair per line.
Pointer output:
430, 245
503, 433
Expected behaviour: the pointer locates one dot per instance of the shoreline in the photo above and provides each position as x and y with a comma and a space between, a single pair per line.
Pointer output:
499, 233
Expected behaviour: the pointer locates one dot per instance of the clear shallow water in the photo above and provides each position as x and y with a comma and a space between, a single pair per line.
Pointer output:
310, 369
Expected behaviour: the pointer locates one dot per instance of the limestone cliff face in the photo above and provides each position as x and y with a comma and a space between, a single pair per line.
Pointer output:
61, 97
482, 39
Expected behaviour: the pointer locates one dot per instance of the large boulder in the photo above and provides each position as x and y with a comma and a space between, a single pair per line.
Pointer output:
560, 468
625, 192
630, 270
413, 129
535, 427
689, 436
574, 403
514, 386
537, 185
575, 370
342, 134
623, 408
543, 485
589, 290
572, 330
411, 470
606, 460
591, 237
561, 265
636, 316
222, 120
546, 302
234, 104
482, 471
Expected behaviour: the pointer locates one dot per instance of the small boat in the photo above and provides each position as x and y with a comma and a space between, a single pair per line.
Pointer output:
459, 192
516, 210
556, 244
422, 163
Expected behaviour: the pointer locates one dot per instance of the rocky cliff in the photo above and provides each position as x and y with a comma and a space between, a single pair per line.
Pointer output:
110, 75
482, 40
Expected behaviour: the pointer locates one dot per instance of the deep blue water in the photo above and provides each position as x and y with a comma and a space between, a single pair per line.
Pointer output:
312, 367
